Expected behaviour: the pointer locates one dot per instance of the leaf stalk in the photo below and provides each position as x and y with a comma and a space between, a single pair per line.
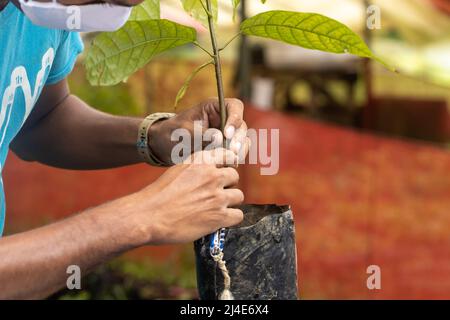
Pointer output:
187, 82
198, 45
217, 68
208, 11
230, 41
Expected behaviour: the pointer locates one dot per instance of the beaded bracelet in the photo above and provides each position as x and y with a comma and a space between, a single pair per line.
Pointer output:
143, 148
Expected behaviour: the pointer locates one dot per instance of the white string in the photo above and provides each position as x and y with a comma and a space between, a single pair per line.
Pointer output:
226, 293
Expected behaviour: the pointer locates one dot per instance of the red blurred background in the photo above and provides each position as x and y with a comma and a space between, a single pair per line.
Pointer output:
358, 200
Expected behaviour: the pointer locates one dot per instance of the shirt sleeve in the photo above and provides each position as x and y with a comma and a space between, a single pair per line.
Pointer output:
66, 54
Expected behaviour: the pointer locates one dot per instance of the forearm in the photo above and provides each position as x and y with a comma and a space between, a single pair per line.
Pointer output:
63, 131
34, 263
76, 136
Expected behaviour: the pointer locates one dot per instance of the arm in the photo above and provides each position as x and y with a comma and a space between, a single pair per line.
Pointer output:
63, 131
34, 263
187, 202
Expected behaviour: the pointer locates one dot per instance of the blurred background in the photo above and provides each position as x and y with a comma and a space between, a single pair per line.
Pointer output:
364, 153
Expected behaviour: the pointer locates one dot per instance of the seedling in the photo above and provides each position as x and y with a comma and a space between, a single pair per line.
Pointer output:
114, 56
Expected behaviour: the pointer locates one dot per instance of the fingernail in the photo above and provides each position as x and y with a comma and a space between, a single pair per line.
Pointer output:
237, 147
229, 132
217, 139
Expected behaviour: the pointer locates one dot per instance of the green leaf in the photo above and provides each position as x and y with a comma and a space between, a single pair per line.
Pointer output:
147, 10
197, 10
308, 30
186, 84
235, 4
113, 56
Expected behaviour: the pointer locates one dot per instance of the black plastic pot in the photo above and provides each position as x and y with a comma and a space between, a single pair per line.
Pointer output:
260, 256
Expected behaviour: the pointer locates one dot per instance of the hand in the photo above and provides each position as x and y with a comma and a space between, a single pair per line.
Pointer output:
208, 112
189, 200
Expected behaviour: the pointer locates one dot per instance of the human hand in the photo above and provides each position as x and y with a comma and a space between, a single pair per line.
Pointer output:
208, 114
189, 200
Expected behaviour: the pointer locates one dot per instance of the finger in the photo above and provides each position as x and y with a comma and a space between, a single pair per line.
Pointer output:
219, 157
235, 116
234, 217
239, 138
224, 158
235, 196
212, 139
199, 157
230, 177
244, 151
211, 113
168, 176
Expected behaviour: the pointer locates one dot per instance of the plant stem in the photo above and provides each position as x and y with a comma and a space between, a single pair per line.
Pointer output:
218, 69
198, 45
206, 9
230, 41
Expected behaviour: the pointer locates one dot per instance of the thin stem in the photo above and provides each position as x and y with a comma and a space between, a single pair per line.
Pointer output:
230, 41
186, 84
198, 45
208, 12
218, 69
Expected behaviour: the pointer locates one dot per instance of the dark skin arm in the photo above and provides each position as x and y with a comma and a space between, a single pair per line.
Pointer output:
188, 201
185, 203
63, 131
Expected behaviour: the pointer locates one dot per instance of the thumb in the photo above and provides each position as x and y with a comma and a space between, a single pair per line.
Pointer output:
212, 139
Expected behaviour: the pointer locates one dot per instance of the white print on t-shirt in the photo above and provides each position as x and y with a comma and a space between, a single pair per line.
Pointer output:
19, 79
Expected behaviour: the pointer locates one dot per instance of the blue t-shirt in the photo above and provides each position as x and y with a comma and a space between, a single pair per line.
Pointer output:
31, 57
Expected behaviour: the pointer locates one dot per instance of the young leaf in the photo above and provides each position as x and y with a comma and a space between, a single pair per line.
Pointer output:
235, 4
147, 10
186, 84
114, 56
308, 30
197, 10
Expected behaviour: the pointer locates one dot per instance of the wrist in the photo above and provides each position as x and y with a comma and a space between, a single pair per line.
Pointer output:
123, 226
159, 140
142, 212
153, 139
